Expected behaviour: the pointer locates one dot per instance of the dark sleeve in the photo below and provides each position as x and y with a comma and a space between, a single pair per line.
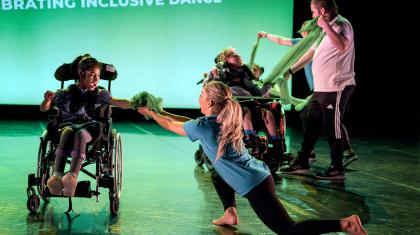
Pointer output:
103, 97
249, 85
61, 100
252, 88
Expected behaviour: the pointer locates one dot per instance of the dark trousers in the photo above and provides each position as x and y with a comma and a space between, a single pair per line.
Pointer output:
325, 112
271, 211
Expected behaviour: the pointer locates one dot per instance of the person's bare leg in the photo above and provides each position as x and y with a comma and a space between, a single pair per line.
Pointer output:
352, 225
247, 123
269, 122
228, 218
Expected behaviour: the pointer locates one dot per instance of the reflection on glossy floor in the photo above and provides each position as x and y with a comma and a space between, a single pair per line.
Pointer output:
165, 193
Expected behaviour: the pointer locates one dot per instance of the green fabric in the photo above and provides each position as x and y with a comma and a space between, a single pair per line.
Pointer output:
253, 53
145, 99
295, 52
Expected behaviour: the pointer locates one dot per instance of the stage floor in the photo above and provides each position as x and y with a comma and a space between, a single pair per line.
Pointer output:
164, 192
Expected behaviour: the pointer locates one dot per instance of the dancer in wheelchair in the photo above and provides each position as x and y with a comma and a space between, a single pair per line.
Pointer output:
240, 78
81, 124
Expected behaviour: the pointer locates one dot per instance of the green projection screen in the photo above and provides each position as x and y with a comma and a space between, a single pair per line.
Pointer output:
159, 46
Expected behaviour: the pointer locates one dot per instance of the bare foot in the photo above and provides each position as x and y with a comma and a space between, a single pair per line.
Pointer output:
353, 225
229, 218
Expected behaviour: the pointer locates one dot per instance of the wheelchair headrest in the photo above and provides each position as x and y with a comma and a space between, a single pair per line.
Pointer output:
68, 71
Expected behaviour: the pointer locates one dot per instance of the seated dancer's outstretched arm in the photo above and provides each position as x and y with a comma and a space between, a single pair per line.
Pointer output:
122, 103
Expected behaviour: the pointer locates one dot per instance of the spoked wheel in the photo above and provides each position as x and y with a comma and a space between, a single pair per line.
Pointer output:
33, 201
117, 172
198, 156
114, 205
43, 166
208, 163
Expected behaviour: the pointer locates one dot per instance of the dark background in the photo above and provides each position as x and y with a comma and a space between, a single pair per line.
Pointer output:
385, 102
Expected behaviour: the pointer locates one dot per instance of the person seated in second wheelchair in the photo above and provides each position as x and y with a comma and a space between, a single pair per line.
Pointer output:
238, 76
77, 105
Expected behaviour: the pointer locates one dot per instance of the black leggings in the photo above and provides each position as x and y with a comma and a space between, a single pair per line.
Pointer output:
225, 192
270, 210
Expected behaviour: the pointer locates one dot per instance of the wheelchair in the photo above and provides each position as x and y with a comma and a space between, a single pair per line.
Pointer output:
106, 153
274, 158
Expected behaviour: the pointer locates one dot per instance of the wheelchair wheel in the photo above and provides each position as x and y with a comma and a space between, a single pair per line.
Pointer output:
43, 167
207, 162
282, 129
33, 201
198, 156
117, 172
282, 123
114, 205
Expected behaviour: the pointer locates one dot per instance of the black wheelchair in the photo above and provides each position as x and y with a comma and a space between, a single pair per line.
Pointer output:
106, 153
273, 156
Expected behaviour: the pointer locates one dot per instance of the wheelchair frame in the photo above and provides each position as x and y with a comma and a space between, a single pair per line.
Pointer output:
274, 162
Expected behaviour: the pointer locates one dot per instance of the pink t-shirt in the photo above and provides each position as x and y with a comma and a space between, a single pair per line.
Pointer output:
332, 69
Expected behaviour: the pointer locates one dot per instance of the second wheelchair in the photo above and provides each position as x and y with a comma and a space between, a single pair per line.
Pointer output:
273, 153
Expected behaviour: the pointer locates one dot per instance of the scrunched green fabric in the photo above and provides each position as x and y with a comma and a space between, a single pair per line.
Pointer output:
145, 99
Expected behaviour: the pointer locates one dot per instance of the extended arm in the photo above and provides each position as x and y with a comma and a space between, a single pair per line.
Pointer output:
175, 117
165, 120
304, 60
122, 103
276, 38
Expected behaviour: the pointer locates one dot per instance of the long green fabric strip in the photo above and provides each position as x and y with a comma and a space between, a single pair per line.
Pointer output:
254, 53
295, 52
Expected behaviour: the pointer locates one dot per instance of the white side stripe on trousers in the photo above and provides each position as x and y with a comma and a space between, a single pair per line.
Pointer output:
337, 116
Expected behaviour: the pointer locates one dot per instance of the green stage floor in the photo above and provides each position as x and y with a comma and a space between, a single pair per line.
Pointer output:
164, 192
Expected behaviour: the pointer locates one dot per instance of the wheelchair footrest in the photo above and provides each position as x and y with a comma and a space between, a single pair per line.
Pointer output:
32, 181
83, 189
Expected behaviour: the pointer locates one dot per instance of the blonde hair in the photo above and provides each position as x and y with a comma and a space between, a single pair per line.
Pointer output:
229, 116
226, 53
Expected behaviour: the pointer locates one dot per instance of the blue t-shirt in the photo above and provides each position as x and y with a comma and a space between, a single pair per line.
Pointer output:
307, 68
240, 170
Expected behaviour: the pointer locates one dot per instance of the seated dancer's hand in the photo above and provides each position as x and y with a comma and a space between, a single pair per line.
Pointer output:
145, 111
49, 95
